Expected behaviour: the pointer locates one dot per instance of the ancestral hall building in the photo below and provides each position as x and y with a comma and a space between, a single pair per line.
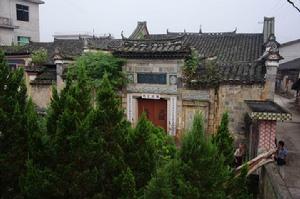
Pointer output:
246, 62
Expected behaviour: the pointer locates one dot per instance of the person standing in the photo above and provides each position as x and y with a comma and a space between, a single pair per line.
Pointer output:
281, 154
239, 155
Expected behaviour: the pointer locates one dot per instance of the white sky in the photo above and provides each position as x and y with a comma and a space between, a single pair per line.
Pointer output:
113, 16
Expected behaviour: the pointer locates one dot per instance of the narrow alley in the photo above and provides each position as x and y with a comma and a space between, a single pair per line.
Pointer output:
289, 132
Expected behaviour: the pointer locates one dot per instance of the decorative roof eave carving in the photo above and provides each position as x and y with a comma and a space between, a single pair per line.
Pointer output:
151, 48
271, 50
151, 55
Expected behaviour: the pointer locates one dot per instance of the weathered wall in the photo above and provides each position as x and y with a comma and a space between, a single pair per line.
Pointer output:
41, 95
193, 101
6, 36
271, 184
232, 99
187, 102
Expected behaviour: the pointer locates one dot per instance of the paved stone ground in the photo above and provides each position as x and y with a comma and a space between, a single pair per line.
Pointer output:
289, 132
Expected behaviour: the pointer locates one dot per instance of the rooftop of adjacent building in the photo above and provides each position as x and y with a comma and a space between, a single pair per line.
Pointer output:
290, 65
236, 53
35, 1
289, 43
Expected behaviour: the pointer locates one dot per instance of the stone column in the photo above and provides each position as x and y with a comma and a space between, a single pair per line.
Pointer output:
271, 73
271, 58
59, 73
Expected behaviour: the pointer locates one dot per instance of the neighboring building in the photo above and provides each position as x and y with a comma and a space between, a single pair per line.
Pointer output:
73, 36
19, 21
289, 68
247, 63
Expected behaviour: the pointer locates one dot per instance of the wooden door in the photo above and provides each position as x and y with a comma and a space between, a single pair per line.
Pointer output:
156, 111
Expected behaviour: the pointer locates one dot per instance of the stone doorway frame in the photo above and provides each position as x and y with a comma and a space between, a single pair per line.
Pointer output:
132, 109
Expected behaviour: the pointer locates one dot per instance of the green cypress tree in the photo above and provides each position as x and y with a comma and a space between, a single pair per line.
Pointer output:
237, 186
166, 182
224, 141
141, 155
17, 124
202, 165
109, 124
63, 162
200, 171
148, 146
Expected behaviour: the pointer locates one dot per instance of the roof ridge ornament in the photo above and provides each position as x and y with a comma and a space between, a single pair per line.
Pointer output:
271, 50
235, 30
122, 35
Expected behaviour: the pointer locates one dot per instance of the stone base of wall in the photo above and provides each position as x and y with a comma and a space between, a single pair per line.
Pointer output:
271, 184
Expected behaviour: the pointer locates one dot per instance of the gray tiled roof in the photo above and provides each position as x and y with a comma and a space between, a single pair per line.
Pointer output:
141, 31
267, 110
291, 65
45, 76
68, 49
149, 48
231, 73
35, 1
102, 43
264, 106
245, 73
226, 46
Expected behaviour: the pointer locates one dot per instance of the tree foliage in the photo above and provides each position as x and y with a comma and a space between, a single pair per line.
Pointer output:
237, 186
100, 63
18, 124
150, 146
201, 72
108, 123
85, 147
199, 171
224, 141
61, 166
39, 56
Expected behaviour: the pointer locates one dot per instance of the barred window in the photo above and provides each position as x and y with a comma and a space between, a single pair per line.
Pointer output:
22, 12
23, 40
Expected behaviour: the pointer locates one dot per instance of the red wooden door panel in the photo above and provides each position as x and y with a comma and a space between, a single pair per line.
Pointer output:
156, 111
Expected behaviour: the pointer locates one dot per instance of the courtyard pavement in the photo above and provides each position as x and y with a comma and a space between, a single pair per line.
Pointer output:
289, 132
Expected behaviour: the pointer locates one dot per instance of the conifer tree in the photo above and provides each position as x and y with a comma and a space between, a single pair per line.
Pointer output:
18, 122
202, 166
237, 186
167, 182
64, 161
199, 171
109, 124
148, 146
224, 141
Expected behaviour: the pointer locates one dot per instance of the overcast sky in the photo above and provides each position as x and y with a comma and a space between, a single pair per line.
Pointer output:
113, 16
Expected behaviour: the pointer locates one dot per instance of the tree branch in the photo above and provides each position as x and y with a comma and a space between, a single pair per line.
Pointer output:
293, 4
